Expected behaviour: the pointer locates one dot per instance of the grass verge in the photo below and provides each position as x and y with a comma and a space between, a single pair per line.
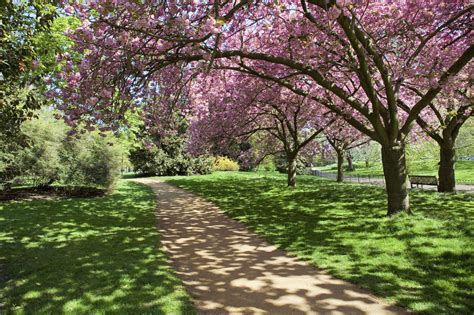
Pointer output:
423, 262
82, 256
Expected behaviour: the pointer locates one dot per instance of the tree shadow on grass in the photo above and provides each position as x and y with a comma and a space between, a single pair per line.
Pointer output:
423, 262
86, 255
229, 270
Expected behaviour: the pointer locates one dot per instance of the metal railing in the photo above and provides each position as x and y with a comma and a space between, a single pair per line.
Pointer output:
368, 179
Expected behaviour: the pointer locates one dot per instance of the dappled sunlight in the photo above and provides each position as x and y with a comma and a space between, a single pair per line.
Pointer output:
83, 255
227, 269
423, 261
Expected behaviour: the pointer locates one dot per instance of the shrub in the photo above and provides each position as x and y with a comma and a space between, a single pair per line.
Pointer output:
247, 159
267, 164
91, 161
166, 154
155, 161
143, 161
39, 164
201, 165
31, 157
222, 163
281, 165
45, 155
40, 160
9, 168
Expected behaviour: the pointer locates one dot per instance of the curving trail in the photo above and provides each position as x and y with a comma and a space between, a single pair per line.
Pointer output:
228, 269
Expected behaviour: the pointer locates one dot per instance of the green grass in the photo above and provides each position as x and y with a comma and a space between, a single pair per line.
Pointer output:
82, 256
464, 169
423, 262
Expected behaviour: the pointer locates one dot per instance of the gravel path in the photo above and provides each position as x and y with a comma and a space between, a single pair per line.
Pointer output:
229, 270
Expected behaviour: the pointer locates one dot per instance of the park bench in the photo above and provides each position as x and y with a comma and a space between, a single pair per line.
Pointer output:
423, 180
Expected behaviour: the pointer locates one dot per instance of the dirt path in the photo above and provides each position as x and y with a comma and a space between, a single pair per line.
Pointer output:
228, 269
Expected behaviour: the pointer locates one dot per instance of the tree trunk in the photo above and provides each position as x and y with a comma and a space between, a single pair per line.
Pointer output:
340, 170
350, 165
396, 179
291, 171
446, 176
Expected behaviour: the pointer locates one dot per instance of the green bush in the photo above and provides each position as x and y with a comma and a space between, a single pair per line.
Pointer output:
91, 161
39, 161
222, 163
9, 168
31, 157
281, 165
267, 164
200, 165
142, 161
155, 161
46, 155
165, 155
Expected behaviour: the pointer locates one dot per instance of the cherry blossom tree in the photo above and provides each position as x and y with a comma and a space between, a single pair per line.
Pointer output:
343, 138
229, 104
365, 54
442, 120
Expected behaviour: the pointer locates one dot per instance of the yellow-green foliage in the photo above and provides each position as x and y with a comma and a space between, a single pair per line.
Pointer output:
222, 163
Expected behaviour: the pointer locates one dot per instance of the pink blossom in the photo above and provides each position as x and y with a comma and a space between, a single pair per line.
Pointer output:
69, 9
334, 12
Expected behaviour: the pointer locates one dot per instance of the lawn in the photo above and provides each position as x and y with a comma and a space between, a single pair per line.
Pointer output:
423, 262
464, 169
96, 255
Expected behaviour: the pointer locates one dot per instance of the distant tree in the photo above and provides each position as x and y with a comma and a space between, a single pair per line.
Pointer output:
229, 105
369, 153
465, 140
343, 138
